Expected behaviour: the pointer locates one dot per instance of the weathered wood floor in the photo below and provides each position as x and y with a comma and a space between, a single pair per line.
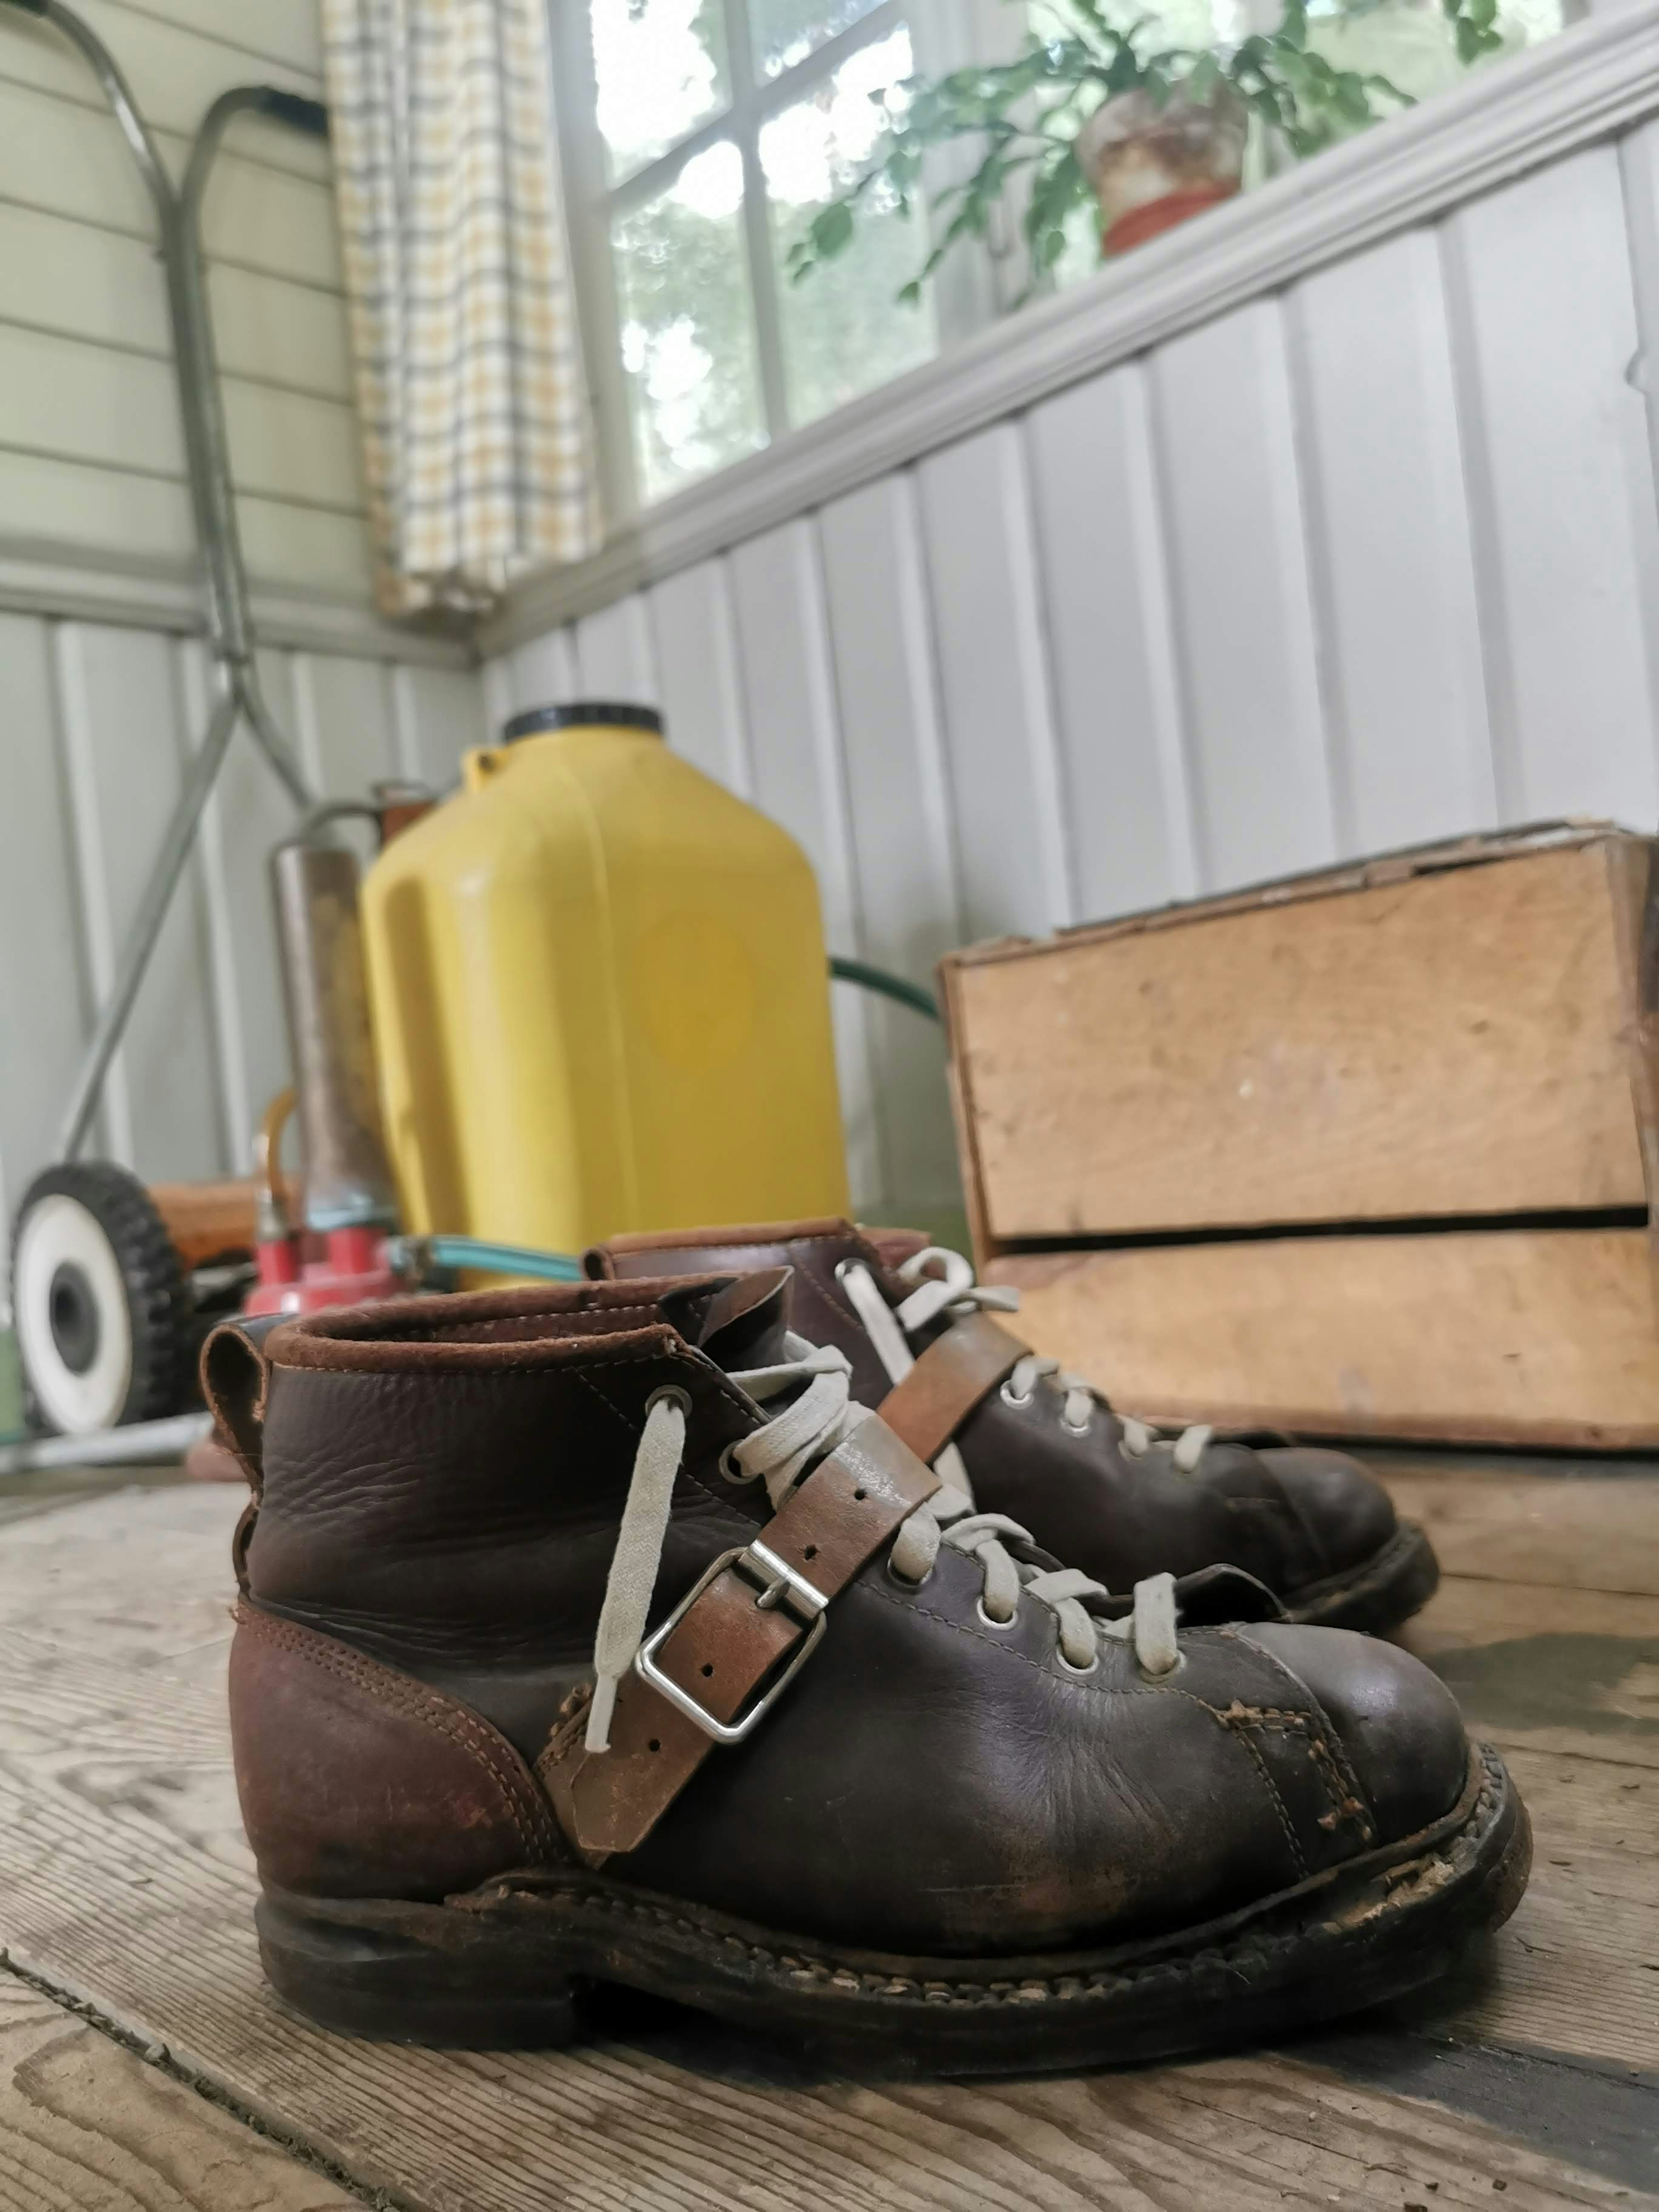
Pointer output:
145, 2067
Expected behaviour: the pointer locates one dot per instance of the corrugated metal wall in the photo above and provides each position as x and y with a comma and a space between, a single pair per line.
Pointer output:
1369, 561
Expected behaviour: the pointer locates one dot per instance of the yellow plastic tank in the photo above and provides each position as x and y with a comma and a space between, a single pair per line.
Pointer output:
600, 998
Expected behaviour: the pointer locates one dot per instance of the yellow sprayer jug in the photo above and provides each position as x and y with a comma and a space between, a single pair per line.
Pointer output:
600, 997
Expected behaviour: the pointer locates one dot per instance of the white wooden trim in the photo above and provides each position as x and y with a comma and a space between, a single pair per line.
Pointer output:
39, 578
1599, 77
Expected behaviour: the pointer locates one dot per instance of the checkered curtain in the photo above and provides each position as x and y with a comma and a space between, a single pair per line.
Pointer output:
470, 384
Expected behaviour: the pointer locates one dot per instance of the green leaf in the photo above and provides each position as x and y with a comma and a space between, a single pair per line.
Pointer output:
832, 229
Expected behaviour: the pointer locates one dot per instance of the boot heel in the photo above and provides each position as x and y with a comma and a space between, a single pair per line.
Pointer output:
476, 1991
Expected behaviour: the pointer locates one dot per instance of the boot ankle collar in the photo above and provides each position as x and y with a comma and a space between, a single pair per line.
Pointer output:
551, 1325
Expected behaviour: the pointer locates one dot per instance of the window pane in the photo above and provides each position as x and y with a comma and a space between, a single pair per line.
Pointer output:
660, 68
687, 325
844, 328
786, 31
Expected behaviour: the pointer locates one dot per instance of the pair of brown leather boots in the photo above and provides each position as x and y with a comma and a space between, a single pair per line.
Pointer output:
600, 1634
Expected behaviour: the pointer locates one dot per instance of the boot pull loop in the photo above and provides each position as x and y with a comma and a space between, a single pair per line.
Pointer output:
234, 1377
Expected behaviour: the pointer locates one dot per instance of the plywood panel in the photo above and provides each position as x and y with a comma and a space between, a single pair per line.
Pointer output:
1226, 446
1117, 689
898, 814
248, 814
42, 983
1546, 1337
1453, 1044
615, 655
1567, 534
701, 689
123, 718
1009, 815
1393, 565
790, 699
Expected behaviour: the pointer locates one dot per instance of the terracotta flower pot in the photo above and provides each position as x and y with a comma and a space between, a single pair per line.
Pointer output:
1153, 166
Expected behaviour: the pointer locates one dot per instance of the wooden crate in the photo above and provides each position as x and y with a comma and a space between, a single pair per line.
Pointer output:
1364, 1153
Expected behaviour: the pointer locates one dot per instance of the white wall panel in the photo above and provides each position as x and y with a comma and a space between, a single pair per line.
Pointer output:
438, 713
176, 65
42, 985
1392, 559
342, 717
898, 813
700, 687
123, 735
543, 673
250, 812
1009, 813
1564, 496
795, 736
1117, 688
616, 656
1228, 468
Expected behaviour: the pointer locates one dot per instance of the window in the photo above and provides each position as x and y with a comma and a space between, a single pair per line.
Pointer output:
699, 136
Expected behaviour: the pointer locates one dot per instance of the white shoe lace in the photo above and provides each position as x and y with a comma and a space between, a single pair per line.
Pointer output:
780, 1455
945, 1284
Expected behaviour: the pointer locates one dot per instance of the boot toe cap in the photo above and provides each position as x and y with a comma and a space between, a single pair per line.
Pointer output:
1341, 1504
1398, 1723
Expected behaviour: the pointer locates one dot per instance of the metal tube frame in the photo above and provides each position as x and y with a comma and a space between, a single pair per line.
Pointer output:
230, 639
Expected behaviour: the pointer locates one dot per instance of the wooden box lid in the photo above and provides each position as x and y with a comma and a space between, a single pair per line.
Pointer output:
1452, 1031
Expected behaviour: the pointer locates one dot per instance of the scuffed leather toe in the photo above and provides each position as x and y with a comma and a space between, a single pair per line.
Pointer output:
1398, 1723
1344, 1507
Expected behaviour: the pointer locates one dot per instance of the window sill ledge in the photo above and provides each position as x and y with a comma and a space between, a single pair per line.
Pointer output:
1599, 77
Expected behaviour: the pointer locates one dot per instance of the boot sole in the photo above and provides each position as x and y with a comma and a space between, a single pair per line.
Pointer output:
507, 1964
1385, 1589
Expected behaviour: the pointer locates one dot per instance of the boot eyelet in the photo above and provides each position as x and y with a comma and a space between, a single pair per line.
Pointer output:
1170, 1673
1077, 1428
670, 1395
991, 1620
1009, 1396
1078, 1673
729, 1471
903, 1582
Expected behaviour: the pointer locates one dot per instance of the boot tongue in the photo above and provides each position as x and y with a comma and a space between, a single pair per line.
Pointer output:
746, 1322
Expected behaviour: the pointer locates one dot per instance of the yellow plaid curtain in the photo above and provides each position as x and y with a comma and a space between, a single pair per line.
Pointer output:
470, 384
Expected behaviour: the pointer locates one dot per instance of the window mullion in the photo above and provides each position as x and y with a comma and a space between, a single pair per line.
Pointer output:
757, 218
593, 265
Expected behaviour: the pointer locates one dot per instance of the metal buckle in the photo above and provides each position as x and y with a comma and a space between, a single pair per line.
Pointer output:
780, 1585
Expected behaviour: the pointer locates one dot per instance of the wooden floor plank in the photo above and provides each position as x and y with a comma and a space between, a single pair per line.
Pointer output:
123, 1878
1540, 1669
1554, 1522
85, 2126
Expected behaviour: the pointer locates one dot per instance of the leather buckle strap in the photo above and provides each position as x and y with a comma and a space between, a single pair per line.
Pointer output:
734, 1642
778, 1585
948, 1380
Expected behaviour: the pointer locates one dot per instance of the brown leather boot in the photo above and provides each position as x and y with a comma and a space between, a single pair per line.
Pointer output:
861, 1766
1106, 1493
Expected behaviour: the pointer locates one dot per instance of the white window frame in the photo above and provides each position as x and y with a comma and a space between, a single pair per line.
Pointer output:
944, 32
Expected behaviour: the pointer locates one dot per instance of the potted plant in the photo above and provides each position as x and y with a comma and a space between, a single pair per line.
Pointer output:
1150, 133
